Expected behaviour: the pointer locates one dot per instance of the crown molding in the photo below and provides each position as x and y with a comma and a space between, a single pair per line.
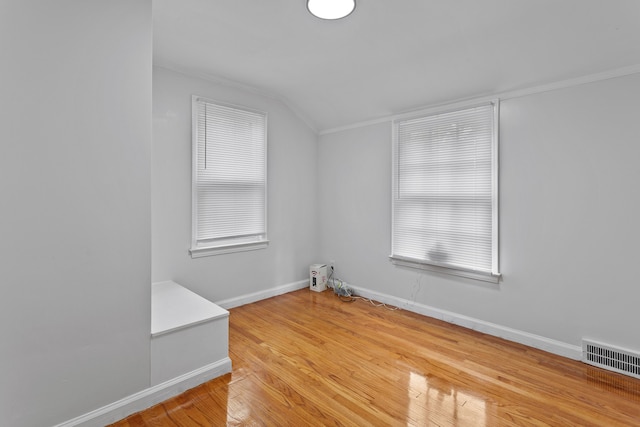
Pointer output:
458, 103
212, 78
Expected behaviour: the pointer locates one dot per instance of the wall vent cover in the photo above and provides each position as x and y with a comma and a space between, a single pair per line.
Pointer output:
611, 358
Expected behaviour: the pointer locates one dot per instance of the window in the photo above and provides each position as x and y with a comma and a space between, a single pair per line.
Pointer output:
229, 178
445, 192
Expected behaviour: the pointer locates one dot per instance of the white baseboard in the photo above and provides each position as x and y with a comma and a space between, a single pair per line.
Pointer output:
536, 341
156, 394
151, 396
257, 296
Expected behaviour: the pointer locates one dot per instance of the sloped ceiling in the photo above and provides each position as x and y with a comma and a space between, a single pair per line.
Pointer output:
392, 56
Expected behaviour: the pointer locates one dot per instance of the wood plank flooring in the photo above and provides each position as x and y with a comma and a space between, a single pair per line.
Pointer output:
308, 358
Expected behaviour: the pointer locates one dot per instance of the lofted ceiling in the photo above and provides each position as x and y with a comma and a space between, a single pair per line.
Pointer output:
393, 56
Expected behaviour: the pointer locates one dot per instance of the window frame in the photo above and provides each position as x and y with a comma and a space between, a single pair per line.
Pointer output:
494, 276
230, 243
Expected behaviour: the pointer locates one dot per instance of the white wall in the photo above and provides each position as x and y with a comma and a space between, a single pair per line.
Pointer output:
292, 183
75, 132
569, 217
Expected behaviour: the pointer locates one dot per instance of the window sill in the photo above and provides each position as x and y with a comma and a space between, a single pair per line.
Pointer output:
470, 274
227, 249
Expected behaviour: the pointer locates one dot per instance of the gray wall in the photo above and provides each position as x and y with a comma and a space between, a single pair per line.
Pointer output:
75, 168
569, 217
75, 255
292, 200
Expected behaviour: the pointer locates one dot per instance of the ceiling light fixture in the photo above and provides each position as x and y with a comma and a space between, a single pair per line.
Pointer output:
331, 9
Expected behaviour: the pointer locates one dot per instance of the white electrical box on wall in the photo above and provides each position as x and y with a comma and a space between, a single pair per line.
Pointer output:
318, 277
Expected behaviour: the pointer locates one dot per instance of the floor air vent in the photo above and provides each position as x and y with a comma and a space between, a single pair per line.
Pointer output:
611, 358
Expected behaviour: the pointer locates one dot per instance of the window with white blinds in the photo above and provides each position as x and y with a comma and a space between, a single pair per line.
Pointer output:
445, 192
229, 178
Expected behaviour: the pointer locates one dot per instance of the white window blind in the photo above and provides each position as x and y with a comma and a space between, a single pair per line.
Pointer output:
229, 178
445, 198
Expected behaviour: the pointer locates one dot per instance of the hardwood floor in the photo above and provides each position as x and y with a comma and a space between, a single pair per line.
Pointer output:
307, 358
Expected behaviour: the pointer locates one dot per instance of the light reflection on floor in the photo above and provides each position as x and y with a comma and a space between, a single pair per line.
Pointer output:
432, 403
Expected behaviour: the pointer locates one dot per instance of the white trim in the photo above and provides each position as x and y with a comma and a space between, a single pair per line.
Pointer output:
464, 102
151, 396
469, 274
230, 243
578, 81
517, 93
536, 341
260, 295
212, 78
495, 190
357, 125
219, 250
492, 276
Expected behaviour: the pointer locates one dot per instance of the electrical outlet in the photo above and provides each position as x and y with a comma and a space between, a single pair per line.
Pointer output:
332, 274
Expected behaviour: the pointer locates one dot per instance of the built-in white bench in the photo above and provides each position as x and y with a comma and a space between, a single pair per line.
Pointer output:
189, 334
